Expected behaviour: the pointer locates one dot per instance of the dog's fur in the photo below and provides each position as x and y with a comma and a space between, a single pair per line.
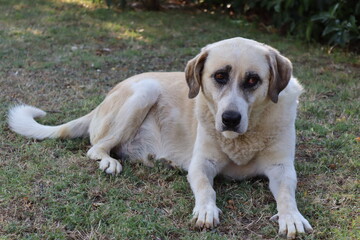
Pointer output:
180, 117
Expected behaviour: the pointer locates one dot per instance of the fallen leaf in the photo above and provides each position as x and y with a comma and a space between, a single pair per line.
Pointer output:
342, 119
231, 204
332, 166
103, 51
98, 204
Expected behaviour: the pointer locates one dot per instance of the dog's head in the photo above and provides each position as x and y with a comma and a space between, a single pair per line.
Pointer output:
236, 77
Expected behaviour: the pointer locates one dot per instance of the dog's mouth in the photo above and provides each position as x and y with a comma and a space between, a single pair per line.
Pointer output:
233, 129
230, 134
233, 132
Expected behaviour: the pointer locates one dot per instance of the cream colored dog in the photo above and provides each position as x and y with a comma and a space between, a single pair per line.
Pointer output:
232, 113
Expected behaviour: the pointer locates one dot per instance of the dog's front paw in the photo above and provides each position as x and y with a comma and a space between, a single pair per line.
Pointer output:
291, 223
206, 216
110, 166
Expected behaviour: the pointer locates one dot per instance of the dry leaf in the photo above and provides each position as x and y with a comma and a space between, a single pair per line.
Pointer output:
231, 204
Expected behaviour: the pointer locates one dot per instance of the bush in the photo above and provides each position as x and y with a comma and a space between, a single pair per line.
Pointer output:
340, 27
329, 21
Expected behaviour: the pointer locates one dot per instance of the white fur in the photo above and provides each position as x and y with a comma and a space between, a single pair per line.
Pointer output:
21, 120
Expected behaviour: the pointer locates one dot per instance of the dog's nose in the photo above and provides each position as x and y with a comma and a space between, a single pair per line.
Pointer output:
231, 119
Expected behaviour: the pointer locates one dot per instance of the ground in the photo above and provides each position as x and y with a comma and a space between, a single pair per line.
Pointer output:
63, 56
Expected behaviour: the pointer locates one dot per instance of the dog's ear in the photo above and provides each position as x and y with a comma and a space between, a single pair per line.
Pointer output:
280, 74
193, 73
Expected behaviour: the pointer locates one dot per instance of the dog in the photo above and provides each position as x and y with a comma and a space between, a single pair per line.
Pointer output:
232, 112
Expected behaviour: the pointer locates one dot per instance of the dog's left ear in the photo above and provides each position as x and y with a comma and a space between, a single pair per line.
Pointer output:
193, 73
280, 74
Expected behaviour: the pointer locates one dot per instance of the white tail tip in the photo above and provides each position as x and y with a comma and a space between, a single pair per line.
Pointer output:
21, 120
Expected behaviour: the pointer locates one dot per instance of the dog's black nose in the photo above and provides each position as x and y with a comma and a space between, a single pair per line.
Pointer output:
231, 119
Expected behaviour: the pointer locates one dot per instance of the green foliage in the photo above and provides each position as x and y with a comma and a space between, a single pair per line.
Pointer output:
330, 21
340, 24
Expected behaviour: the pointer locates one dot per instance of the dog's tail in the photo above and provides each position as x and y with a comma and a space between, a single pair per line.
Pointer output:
21, 120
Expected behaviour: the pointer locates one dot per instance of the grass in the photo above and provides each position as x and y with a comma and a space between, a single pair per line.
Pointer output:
63, 56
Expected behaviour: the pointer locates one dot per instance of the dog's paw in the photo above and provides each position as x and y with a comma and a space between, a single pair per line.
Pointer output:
206, 216
291, 223
110, 166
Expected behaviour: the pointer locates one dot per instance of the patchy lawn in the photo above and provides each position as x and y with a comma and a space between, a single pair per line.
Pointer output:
64, 55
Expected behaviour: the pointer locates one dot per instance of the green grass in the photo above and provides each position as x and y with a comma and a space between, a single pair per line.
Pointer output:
53, 56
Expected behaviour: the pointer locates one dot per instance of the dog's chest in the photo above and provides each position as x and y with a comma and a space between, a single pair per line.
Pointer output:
244, 148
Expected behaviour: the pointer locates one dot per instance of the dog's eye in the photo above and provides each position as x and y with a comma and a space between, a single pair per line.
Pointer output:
251, 81
221, 77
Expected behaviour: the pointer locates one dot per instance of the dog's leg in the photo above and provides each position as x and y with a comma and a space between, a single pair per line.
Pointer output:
121, 123
200, 177
107, 163
282, 184
202, 170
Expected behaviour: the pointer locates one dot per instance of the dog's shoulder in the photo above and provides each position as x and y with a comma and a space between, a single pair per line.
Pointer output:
283, 113
292, 92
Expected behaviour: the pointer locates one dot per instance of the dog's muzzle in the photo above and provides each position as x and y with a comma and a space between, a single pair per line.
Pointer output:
231, 120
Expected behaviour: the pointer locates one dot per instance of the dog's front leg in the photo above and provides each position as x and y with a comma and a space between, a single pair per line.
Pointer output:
203, 168
205, 213
282, 181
